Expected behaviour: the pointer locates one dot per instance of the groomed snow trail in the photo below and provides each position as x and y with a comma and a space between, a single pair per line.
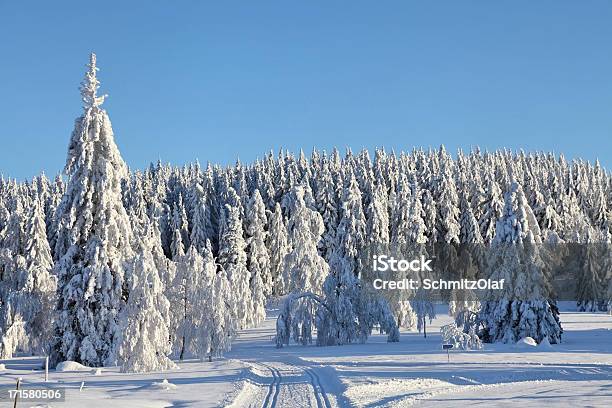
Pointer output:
274, 388
317, 386
285, 384
275, 378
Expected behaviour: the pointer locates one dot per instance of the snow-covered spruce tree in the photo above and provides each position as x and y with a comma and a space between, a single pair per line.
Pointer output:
204, 324
447, 218
351, 310
165, 266
38, 294
145, 342
408, 236
221, 326
303, 267
341, 287
429, 216
233, 260
591, 281
200, 224
183, 295
599, 208
423, 306
198, 324
92, 251
13, 281
278, 247
378, 217
492, 209
179, 231
257, 255
523, 307
135, 204
327, 205
463, 304
4, 216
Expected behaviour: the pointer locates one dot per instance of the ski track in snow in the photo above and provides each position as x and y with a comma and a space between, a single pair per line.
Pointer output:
317, 386
274, 388
300, 382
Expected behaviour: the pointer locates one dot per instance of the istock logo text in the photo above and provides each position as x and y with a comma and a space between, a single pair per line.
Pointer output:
383, 263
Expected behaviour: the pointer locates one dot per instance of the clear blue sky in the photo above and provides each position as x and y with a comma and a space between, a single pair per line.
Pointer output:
226, 79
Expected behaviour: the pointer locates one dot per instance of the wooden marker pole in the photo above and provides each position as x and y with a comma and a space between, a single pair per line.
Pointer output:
17, 394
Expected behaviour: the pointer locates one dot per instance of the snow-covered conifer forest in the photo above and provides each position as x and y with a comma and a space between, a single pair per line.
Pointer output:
142, 269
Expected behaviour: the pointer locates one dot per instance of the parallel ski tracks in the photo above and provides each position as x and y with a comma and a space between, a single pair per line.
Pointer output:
319, 391
272, 396
273, 388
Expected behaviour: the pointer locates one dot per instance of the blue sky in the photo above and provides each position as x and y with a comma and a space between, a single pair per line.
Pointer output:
221, 80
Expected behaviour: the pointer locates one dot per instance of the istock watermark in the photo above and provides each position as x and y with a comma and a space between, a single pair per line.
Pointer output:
438, 284
423, 264
468, 272
384, 263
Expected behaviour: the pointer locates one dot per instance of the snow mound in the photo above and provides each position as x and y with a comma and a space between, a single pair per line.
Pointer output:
164, 385
371, 392
2, 367
245, 393
71, 366
96, 371
526, 342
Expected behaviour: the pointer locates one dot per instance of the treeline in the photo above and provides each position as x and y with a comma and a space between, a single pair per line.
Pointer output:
107, 266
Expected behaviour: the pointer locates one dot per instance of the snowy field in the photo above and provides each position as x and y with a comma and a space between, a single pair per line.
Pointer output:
413, 372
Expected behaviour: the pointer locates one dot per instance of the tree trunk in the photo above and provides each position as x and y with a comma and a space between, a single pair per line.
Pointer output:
182, 348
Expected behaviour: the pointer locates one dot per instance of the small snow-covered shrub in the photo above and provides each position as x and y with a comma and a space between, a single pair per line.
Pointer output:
164, 385
71, 366
451, 334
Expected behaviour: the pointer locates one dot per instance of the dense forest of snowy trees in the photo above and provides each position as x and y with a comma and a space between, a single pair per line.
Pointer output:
109, 266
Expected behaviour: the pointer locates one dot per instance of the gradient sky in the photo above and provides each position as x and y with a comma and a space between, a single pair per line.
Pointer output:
226, 79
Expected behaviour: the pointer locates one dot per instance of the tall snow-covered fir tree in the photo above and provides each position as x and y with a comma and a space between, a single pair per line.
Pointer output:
144, 320
257, 255
233, 260
221, 322
184, 294
278, 246
179, 231
303, 267
463, 305
342, 285
39, 291
93, 245
351, 309
591, 289
14, 286
522, 308
213, 324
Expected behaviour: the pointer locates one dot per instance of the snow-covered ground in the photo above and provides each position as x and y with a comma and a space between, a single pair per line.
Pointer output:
412, 372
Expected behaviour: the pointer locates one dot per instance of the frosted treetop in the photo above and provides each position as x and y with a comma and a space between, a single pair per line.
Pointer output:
90, 84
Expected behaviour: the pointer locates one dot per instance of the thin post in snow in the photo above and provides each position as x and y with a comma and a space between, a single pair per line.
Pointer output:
46, 368
17, 393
